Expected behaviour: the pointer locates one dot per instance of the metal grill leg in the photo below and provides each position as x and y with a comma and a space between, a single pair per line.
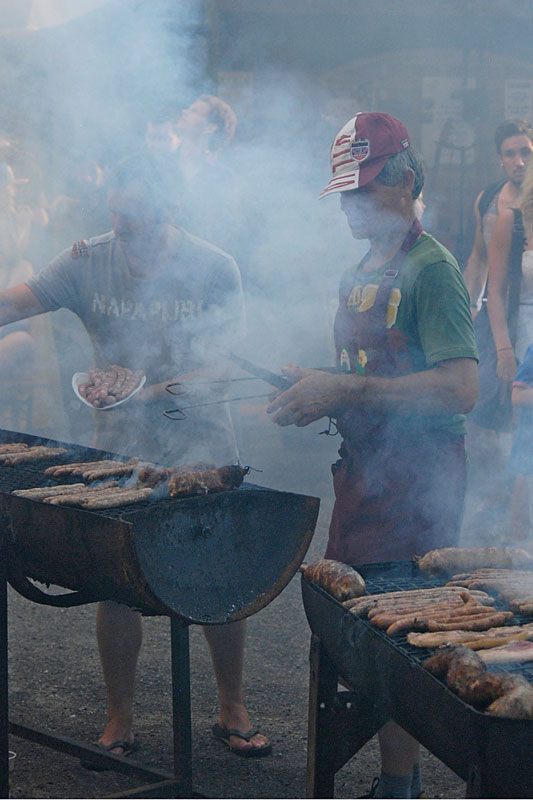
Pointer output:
181, 704
4, 699
322, 693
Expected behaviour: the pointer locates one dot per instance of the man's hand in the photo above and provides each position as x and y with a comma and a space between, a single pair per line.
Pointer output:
315, 394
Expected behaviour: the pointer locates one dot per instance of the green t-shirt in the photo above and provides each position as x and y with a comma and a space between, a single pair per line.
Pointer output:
428, 315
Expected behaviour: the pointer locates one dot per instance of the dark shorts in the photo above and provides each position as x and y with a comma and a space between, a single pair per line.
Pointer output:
397, 502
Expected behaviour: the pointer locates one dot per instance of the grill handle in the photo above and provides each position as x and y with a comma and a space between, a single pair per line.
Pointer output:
31, 592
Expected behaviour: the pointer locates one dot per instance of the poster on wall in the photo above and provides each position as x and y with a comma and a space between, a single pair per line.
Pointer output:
518, 98
446, 137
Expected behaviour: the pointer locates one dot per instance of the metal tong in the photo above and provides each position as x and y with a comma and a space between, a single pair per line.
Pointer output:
178, 388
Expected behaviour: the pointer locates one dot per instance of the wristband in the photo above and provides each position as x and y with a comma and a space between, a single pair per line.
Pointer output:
498, 349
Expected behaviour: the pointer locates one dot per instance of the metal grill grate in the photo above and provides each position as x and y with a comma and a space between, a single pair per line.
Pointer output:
31, 475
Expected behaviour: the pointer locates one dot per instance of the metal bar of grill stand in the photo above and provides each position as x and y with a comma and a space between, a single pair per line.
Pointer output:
162, 784
4, 708
339, 723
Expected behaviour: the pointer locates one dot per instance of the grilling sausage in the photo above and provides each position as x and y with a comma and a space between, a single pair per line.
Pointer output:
517, 651
81, 467
74, 498
13, 447
114, 499
32, 454
222, 479
39, 493
455, 559
475, 640
77, 467
516, 703
340, 580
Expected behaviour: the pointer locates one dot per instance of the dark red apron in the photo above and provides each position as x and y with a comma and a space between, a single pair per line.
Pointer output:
395, 497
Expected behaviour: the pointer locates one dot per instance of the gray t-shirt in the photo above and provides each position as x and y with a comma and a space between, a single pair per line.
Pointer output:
164, 326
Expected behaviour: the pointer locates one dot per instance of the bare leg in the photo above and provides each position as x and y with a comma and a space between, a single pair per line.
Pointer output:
226, 643
119, 633
399, 751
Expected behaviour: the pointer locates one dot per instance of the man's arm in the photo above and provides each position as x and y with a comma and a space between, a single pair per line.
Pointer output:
18, 303
450, 387
475, 274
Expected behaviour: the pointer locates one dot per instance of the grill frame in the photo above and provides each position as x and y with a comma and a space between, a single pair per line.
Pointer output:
208, 559
492, 754
128, 532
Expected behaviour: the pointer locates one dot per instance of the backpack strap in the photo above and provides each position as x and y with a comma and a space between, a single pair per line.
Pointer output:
487, 197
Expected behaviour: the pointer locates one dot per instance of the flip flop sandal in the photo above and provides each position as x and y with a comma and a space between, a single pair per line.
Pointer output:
127, 749
223, 734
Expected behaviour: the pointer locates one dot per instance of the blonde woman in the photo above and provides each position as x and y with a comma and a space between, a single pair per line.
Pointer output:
511, 285
500, 266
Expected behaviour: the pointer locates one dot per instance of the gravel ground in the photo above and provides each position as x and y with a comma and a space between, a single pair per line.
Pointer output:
55, 683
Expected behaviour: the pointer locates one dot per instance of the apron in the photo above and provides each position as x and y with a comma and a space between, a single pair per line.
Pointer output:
394, 497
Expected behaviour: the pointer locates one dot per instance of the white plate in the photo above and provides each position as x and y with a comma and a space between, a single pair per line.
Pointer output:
83, 377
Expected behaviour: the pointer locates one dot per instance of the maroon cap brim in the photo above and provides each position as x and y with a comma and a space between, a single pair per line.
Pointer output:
360, 176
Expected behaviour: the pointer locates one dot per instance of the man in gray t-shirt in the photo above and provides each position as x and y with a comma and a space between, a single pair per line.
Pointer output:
163, 325
151, 297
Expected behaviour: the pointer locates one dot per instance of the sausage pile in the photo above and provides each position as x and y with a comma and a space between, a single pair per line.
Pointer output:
178, 481
466, 674
107, 387
514, 587
438, 609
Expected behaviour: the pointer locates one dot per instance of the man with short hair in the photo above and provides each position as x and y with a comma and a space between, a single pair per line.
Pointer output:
404, 338
151, 297
514, 145
193, 146
493, 492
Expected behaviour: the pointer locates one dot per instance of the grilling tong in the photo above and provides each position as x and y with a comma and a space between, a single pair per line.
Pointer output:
178, 388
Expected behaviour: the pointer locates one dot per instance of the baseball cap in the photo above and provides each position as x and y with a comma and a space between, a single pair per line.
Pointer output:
361, 148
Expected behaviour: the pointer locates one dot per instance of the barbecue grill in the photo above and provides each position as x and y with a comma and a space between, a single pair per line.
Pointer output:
207, 559
492, 754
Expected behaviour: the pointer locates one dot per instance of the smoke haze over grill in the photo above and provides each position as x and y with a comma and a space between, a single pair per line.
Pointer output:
83, 88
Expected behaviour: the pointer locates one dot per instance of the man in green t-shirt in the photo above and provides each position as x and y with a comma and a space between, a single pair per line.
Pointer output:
404, 338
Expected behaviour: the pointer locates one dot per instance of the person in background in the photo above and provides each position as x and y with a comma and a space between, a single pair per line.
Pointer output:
17, 348
155, 298
193, 146
493, 491
514, 144
404, 337
508, 355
